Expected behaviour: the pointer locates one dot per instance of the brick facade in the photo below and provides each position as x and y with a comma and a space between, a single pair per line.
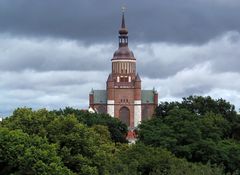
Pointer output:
123, 97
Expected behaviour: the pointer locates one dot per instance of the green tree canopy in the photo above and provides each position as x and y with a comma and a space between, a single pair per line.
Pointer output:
148, 160
199, 129
24, 154
72, 141
117, 129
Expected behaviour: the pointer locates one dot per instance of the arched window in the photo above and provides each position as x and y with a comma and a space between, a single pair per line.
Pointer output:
124, 115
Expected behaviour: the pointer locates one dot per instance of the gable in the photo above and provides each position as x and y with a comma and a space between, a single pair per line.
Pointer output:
147, 96
100, 96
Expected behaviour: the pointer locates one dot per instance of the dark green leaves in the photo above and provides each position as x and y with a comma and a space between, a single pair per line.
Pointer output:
199, 129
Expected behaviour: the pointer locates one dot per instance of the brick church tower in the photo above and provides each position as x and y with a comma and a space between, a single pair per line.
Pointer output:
123, 97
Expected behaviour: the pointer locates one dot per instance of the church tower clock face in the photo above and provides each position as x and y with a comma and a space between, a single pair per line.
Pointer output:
123, 97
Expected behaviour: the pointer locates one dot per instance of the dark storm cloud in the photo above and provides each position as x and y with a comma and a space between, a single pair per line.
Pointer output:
18, 54
154, 60
188, 21
53, 52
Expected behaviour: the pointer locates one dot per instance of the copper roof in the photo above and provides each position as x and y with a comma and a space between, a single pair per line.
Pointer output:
123, 53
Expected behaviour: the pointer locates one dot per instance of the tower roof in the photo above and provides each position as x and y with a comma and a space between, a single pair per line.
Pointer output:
123, 30
123, 51
110, 78
138, 78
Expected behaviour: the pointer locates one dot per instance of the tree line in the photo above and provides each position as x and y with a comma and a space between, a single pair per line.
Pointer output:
197, 136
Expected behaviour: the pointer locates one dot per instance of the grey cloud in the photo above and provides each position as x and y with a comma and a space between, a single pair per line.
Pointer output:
194, 21
45, 81
52, 90
17, 54
162, 60
53, 52
199, 80
175, 70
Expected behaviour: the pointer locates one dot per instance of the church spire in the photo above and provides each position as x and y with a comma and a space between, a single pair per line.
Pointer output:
123, 37
123, 20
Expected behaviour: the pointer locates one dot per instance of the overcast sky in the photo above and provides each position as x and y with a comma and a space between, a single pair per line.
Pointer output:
53, 52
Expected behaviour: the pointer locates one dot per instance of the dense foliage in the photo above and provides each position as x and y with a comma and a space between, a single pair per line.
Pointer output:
72, 141
199, 129
118, 130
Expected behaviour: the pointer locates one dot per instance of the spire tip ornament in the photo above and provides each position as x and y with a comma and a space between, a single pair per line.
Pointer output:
123, 9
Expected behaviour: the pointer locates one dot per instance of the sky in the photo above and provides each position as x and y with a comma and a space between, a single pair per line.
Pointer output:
52, 53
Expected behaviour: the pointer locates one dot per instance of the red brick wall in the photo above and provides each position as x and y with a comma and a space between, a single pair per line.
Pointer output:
124, 97
147, 111
130, 107
98, 106
156, 99
91, 101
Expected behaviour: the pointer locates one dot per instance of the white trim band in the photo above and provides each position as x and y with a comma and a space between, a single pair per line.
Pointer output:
110, 107
124, 60
137, 112
137, 102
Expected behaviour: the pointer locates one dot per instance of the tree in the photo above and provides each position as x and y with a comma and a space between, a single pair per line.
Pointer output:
117, 129
83, 149
194, 129
75, 141
143, 159
29, 121
200, 106
22, 154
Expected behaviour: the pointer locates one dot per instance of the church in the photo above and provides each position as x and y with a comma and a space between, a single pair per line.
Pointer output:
124, 97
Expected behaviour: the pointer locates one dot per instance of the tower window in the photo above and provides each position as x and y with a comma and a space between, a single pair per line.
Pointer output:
123, 79
124, 100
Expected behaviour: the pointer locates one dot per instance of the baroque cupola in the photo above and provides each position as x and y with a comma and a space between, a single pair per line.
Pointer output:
123, 61
123, 51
